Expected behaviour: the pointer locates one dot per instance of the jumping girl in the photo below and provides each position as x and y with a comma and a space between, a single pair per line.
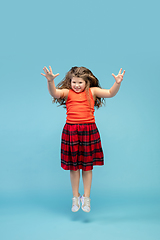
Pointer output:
81, 148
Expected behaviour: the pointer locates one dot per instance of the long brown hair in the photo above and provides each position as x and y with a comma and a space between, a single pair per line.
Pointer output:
87, 76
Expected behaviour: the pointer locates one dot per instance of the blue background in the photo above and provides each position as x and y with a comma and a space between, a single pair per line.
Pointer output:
35, 193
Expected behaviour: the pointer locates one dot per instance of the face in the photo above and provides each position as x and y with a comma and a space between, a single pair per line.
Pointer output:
78, 84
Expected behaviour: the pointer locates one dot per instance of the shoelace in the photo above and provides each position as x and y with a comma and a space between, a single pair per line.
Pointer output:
75, 201
87, 202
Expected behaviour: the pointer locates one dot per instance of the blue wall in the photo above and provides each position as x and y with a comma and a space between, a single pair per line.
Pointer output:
103, 36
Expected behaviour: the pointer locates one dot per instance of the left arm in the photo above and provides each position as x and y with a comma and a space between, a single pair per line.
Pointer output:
108, 93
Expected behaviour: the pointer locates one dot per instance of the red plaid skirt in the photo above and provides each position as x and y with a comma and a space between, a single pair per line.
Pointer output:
81, 147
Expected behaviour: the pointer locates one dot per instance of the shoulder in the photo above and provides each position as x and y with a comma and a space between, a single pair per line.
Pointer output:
94, 91
68, 93
64, 93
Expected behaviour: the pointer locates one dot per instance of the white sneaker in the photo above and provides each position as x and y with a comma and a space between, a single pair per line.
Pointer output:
76, 204
85, 204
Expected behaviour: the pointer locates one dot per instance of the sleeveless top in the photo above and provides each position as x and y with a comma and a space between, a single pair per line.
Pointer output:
79, 108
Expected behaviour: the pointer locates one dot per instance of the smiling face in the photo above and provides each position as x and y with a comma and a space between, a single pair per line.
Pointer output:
78, 84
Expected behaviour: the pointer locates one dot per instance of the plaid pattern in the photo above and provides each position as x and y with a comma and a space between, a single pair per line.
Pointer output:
81, 147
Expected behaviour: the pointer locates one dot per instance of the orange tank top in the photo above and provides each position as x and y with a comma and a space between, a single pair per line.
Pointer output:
79, 108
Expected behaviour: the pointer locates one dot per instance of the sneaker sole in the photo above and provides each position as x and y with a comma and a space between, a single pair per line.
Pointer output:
86, 211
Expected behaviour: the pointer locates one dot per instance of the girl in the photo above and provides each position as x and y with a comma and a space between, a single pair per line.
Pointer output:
81, 147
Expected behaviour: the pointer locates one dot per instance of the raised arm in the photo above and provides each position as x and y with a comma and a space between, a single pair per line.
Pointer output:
108, 93
56, 93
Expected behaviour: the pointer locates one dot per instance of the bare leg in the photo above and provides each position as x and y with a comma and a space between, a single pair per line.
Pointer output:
87, 181
75, 176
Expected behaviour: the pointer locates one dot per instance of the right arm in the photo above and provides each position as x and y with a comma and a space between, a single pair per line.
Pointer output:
56, 93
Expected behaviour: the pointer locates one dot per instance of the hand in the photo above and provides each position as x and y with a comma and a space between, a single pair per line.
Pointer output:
49, 74
119, 77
